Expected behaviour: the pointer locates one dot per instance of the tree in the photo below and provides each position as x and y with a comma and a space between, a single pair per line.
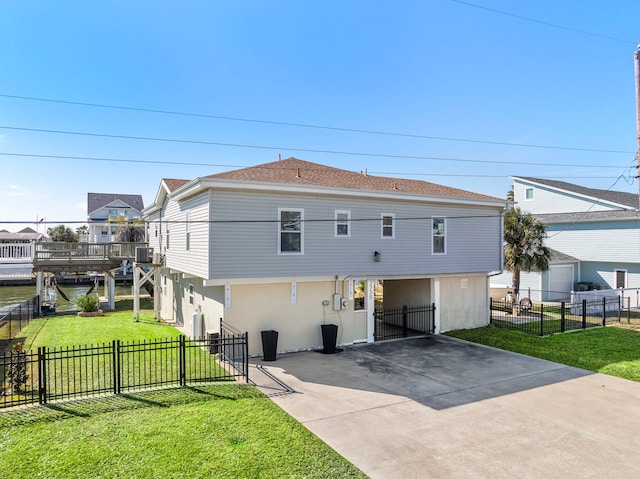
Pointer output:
130, 233
62, 233
524, 248
81, 230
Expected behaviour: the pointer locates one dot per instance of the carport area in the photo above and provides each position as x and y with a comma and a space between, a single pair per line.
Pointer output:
439, 407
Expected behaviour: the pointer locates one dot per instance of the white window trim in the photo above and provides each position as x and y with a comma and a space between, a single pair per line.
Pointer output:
348, 222
287, 253
433, 235
615, 277
533, 193
393, 225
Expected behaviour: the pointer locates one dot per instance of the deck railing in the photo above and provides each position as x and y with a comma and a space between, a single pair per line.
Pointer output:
16, 252
55, 251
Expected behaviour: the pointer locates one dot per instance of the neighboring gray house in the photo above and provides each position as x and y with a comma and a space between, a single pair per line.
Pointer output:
595, 235
106, 212
290, 245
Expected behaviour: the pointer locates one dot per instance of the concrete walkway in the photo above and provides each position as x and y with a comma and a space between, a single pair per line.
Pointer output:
438, 407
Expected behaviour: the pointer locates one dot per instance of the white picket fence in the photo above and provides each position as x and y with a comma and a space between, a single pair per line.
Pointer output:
624, 298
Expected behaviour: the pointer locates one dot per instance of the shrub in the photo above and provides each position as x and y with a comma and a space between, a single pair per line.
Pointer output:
17, 369
88, 303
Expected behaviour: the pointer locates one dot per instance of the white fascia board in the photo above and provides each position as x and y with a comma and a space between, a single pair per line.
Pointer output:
342, 277
319, 190
572, 193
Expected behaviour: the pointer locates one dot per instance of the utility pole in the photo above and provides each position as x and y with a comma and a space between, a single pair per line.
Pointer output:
636, 61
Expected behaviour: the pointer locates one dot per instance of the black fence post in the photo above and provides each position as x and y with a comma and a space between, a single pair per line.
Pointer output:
42, 375
628, 310
584, 314
404, 321
562, 317
182, 355
541, 319
115, 352
490, 309
433, 318
246, 356
604, 311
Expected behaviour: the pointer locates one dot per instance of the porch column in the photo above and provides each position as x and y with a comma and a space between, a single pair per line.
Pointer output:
156, 292
371, 307
39, 280
136, 291
112, 291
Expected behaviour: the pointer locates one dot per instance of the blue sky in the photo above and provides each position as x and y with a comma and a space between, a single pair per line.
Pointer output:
432, 68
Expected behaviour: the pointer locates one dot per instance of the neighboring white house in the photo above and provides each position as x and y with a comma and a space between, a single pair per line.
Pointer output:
594, 235
290, 245
16, 254
107, 212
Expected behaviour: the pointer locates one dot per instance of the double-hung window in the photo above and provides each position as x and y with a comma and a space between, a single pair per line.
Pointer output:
343, 223
388, 225
290, 231
439, 236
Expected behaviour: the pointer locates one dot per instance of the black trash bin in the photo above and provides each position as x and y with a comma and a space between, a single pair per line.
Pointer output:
329, 338
269, 345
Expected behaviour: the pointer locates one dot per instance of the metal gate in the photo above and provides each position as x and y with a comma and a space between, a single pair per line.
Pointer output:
404, 321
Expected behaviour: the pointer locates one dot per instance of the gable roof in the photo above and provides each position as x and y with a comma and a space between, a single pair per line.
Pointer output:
173, 184
628, 200
293, 171
26, 234
95, 201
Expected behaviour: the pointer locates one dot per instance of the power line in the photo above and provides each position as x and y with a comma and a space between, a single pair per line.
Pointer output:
318, 127
305, 150
541, 22
223, 165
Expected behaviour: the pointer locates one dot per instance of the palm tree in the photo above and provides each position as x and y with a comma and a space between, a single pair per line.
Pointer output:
524, 248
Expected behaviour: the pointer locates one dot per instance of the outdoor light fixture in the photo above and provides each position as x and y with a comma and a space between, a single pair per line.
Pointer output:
376, 256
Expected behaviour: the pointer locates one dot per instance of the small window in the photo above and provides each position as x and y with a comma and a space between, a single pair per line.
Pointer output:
528, 194
187, 222
621, 278
190, 293
359, 294
343, 223
439, 236
290, 231
167, 235
156, 229
388, 223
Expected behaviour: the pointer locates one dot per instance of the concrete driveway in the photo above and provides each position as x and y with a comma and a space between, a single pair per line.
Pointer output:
439, 407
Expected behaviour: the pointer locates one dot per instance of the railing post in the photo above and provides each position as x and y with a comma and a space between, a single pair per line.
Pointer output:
490, 309
584, 314
404, 321
42, 375
604, 311
562, 317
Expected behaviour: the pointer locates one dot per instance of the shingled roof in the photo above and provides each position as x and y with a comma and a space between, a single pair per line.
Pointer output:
627, 199
96, 201
293, 171
173, 184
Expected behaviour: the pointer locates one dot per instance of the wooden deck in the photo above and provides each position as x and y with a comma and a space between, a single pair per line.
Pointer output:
58, 257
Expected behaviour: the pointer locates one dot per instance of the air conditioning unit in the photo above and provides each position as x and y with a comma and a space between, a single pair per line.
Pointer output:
142, 254
158, 258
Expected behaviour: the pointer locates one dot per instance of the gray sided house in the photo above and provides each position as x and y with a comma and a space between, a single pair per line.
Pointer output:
291, 245
595, 235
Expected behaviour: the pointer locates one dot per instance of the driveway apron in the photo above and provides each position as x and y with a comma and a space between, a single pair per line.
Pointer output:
439, 407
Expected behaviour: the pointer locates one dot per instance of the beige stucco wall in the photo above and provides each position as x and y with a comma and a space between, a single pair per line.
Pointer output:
409, 292
255, 308
175, 305
463, 307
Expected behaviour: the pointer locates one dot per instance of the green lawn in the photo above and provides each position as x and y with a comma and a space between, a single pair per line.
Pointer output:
221, 430
610, 350
54, 331
225, 430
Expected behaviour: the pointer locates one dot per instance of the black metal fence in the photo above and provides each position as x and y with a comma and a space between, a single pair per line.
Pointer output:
51, 374
543, 319
12, 321
404, 321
